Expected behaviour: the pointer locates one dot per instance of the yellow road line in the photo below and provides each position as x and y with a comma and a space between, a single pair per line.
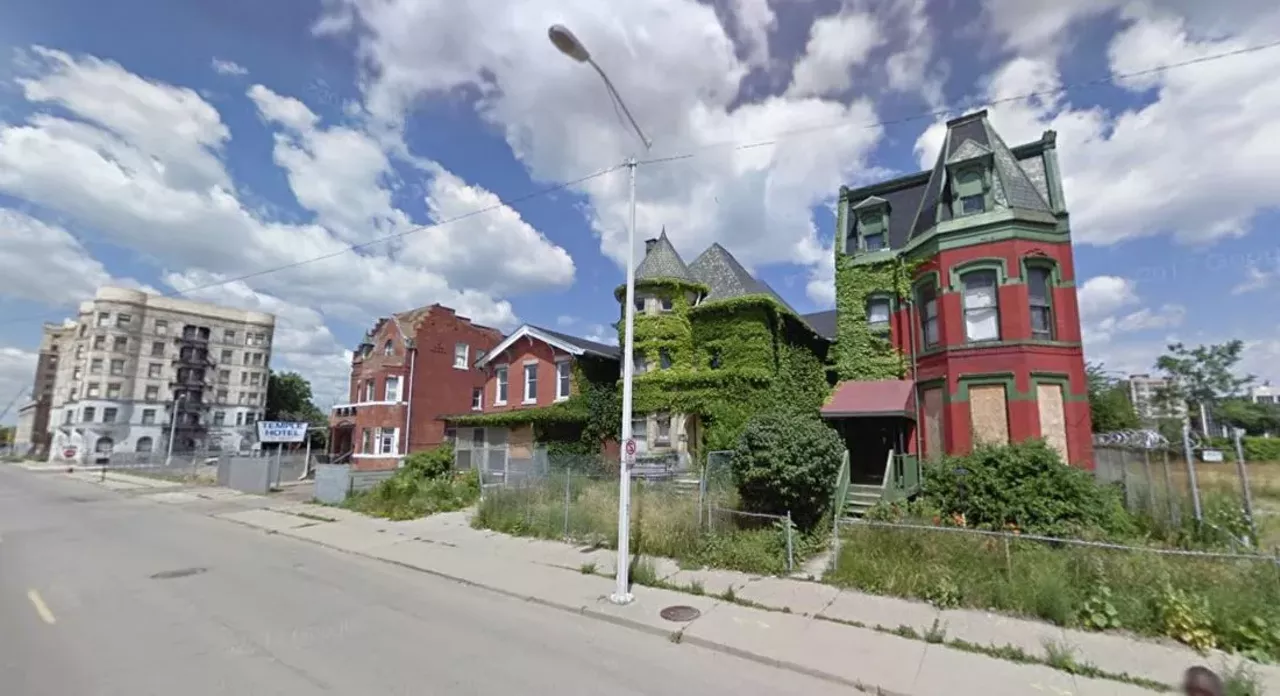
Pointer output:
41, 608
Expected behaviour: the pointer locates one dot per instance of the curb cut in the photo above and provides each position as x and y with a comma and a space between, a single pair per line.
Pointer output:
675, 636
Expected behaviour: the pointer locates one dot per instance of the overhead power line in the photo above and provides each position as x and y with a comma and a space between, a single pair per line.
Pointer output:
734, 145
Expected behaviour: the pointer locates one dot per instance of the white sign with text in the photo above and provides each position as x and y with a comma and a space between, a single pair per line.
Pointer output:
281, 431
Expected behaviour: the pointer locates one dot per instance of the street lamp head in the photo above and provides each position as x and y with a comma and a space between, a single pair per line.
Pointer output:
567, 43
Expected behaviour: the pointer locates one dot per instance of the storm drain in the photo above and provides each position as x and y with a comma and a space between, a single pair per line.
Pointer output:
180, 573
680, 613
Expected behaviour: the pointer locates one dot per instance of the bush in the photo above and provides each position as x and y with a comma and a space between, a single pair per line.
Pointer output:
1260, 449
787, 462
433, 463
1025, 486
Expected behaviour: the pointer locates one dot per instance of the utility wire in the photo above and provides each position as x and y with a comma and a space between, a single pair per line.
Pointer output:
777, 139
939, 113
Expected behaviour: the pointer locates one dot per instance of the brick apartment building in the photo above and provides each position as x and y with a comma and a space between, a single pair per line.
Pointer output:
409, 370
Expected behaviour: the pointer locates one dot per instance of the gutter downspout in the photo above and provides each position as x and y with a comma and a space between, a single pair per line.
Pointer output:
408, 400
915, 379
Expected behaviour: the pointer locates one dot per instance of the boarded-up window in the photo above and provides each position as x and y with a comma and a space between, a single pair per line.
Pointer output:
989, 414
933, 409
1053, 421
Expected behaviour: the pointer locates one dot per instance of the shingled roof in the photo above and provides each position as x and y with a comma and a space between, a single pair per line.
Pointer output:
917, 202
661, 260
719, 270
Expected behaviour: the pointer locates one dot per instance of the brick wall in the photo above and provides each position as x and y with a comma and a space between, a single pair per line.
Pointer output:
525, 351
1021, 366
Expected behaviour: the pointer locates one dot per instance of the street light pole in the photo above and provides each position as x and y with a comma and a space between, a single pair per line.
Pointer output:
568, 44
173, 422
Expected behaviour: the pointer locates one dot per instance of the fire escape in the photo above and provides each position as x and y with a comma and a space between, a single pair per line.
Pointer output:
190, 406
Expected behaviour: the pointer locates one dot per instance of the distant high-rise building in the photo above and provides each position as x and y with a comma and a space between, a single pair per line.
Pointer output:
133, 366
1264, 394
32, 433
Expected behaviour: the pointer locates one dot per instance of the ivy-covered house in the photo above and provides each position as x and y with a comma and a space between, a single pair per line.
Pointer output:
956, 307
713, 346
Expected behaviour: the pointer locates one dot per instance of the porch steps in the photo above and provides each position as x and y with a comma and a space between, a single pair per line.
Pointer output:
862, 497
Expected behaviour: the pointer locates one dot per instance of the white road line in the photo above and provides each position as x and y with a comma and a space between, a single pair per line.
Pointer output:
41, 608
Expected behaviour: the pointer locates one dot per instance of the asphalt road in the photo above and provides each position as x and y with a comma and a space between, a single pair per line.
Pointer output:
101, 593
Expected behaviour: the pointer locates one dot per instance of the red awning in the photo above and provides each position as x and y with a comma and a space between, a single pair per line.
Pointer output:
865, 399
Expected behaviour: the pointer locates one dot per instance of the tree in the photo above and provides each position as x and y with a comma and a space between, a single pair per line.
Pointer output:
1109, 401
289, 399
787, 462
1202, 376
1253, 418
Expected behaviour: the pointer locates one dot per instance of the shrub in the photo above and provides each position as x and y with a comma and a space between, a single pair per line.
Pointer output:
409, 495
1025, 486
432, 463
787, 462
1261, 449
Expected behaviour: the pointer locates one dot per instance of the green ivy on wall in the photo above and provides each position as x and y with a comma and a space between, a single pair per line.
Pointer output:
860, 352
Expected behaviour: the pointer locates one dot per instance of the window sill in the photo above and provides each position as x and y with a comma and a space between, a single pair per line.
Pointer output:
562, 398
377, 456
499, 403
528, 402
461, 367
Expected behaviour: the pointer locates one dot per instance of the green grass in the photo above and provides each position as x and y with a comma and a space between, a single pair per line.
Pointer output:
408, 495
1234, 605
664, 523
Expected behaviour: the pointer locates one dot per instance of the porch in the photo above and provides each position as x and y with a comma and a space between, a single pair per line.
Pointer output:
877, 421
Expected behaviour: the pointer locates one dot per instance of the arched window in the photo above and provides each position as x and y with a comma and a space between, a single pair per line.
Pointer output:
104, 445
143, 445
388, 348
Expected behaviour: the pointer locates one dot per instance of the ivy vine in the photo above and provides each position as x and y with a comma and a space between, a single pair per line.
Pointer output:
860, 352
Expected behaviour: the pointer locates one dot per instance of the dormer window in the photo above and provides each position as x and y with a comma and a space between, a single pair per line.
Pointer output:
970, 192
870, 226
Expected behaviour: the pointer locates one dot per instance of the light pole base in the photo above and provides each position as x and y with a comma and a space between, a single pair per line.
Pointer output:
625, 598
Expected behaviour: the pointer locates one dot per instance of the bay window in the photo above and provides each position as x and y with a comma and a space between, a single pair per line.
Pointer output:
981, 306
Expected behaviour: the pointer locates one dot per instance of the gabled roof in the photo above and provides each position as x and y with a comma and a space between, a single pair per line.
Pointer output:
719, 270
918, 201
661, 260
570, 344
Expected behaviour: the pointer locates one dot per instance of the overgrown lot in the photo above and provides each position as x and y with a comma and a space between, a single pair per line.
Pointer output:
1025, 489
425, 485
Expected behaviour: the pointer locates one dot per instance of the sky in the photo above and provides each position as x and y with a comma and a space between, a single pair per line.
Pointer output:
333, 161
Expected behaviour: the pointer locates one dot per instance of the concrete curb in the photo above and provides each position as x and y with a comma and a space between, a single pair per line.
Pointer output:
675, 636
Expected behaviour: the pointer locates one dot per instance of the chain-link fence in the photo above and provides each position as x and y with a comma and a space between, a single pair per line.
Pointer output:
679, 513
1070, 582
199, 466
1188, 484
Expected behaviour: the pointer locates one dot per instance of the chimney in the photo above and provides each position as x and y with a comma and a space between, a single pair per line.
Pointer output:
648, 245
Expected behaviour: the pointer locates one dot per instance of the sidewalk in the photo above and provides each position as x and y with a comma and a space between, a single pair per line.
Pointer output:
805, 626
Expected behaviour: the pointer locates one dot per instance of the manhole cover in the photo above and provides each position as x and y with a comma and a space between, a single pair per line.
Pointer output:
679, 613
181, 573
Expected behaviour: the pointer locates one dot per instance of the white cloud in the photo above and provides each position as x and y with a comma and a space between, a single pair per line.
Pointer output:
678, 71
228, 67
601, 333
1125, 173
165, 193
17, 371
753, 20
1255, 278
44, 263
564, 321
1100, 296
837, 44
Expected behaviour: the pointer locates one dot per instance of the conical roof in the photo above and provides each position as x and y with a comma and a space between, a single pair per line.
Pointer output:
662, 261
